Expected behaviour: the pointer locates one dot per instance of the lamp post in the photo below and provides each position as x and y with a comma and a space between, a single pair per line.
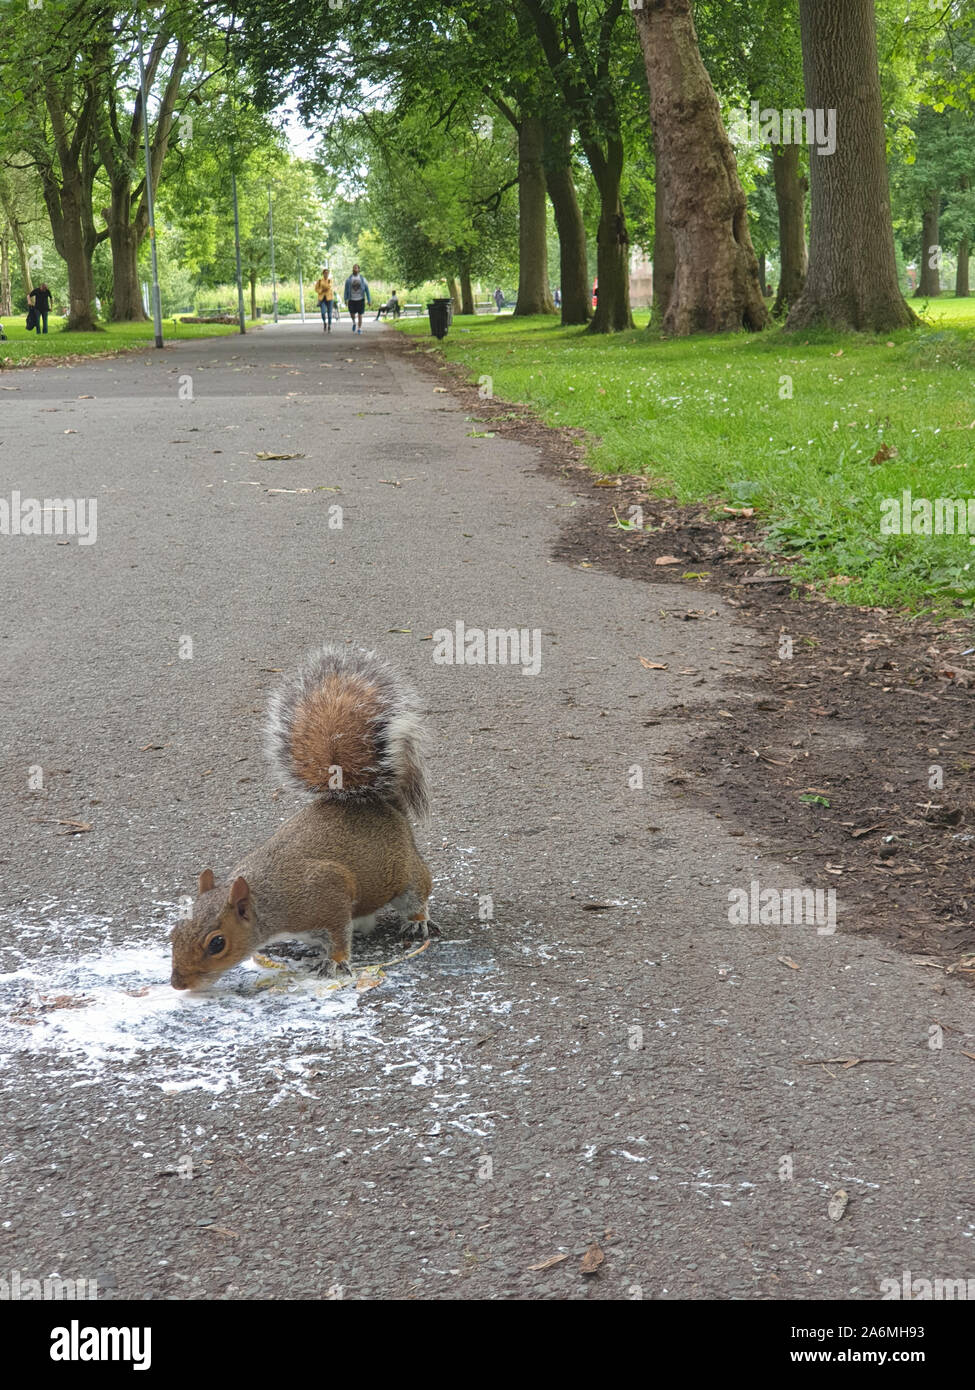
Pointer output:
270, 227
150, 201
240, 278
301, 287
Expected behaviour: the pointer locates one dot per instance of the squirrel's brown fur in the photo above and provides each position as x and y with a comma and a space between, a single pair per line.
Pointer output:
345, 727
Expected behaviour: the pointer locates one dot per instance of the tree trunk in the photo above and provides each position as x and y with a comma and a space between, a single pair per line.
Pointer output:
962, 289
534, 295
716, 287
81, 285
790, 196
453, 290
929, 284
852, 280
612, 245
252, 276
22, 256
466, 291
7, 203
68, 201
72, 245
120, 141
663, 256
127, 306
5, 306
573, 266
763, 284
964, 251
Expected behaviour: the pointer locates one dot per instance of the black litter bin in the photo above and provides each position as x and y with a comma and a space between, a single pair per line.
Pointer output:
440, 312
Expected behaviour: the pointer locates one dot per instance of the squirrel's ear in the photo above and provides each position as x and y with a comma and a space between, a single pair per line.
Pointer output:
205, 881
239, 894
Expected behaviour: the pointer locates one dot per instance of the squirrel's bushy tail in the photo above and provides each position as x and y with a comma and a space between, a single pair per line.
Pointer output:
347, 728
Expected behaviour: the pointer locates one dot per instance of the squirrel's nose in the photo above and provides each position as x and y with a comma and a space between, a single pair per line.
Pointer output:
177, 981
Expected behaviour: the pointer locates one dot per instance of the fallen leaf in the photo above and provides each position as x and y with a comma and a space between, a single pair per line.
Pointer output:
591, 1260
666, 560
547, 1264
884, 453
265, 455
838, 1204
787, 960
653, 665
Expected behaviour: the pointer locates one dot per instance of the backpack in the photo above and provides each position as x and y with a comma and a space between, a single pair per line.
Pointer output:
32, 317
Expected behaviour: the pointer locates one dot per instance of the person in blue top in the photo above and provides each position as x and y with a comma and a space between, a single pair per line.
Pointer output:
356, 297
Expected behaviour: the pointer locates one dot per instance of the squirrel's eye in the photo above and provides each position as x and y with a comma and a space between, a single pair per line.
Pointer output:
215, 945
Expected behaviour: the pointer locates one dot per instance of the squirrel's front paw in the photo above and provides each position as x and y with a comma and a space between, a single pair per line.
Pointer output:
335, 968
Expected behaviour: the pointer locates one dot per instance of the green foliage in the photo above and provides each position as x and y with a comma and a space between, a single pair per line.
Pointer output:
704, 419
439, 196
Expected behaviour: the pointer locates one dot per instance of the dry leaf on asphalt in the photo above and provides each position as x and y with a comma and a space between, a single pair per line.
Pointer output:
591, 1260
838, 1204
653, 665
547, 1264
666, 560
263, 454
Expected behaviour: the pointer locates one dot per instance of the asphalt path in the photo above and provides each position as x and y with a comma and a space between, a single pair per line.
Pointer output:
589, 1054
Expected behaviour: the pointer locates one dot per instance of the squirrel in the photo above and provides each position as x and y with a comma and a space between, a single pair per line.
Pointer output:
345, 727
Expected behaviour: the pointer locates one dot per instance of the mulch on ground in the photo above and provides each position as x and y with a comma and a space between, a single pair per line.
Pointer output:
849, 748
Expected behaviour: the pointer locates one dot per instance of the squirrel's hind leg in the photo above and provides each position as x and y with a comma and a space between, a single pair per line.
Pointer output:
412, 908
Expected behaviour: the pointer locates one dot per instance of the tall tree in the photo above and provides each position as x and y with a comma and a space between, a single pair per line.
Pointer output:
47, 65
119, 135
716, 282
559, 180
790, 197
754, 57
579, 44
852, 281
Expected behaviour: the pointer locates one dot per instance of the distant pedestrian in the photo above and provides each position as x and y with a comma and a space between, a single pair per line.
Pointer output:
499, 298
557, 296
325, 290
356, 296
40, 299
392, 306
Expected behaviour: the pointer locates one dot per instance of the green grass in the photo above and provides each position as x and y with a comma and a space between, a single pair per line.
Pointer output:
23, 346
711, 420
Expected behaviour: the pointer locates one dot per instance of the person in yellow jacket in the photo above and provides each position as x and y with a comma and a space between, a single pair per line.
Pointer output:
325, 289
